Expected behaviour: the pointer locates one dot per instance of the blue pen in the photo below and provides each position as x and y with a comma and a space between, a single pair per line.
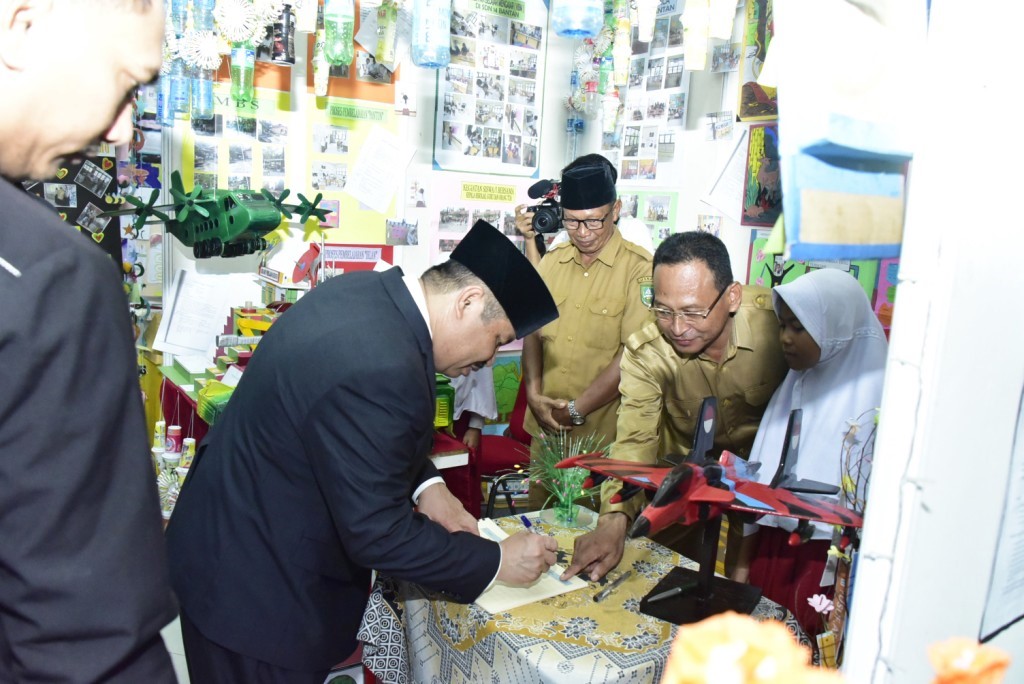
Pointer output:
528, 524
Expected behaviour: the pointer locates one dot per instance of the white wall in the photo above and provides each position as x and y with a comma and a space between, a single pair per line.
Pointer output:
956, 370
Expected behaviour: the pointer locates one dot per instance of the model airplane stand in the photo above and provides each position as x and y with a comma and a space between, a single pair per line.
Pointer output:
704, 594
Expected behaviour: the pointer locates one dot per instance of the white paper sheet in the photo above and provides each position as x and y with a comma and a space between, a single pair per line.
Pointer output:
726, 193
197, 307
501, 597
379, 170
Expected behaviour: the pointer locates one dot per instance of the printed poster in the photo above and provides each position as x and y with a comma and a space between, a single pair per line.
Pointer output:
762, 195
462, 203
340, 131
489, 97
756, 102
654, 114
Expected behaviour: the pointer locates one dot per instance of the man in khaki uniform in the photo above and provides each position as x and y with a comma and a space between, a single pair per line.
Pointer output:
598, 281
711, 336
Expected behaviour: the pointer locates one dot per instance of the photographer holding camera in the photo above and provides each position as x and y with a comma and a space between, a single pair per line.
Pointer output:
537, 221
601, 284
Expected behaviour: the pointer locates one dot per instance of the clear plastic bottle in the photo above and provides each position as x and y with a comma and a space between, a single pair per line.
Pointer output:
577, 18
431, 33
339, 25
243, 65
202, 93
202, 14
202, 79
179, 16
387, 32
164, 108
321, 69
180, 87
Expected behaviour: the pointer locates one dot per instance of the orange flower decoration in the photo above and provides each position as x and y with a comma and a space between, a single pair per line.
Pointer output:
964, 661
737, 649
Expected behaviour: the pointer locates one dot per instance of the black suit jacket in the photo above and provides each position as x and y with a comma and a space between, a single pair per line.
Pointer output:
303, 485
84, 589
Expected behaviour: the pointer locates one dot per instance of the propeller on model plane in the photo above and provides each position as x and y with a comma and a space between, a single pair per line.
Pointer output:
279, 201
307, 208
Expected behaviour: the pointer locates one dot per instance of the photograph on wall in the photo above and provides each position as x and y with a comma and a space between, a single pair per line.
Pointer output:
489, 96
725, 58
402, 232
762, 195
718, 125
756, 102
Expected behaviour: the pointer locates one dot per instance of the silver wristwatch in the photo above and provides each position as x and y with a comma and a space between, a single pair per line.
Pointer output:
575, 416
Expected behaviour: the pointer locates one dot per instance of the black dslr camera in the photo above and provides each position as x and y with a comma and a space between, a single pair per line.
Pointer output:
547, 216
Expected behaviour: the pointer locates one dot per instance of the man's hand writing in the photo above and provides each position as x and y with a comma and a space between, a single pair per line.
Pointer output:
525, 556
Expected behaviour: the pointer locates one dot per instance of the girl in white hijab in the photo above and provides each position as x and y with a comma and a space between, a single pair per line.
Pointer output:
836, 350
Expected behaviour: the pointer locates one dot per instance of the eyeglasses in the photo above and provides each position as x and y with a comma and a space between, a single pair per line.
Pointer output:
592, 224
666, 315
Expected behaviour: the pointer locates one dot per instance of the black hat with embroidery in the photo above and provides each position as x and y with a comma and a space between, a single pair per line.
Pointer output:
517, 286
587, 186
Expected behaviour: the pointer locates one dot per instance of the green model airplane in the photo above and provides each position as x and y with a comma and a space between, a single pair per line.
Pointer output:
219, 222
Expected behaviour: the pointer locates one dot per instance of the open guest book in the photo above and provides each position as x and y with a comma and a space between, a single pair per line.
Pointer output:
500, 597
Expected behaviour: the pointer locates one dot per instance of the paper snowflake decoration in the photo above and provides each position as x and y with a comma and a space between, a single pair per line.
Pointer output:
170, 51
201, 49
237, 20
267, 11
603, 41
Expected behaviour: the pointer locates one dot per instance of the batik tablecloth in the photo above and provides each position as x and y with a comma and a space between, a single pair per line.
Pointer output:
411, 635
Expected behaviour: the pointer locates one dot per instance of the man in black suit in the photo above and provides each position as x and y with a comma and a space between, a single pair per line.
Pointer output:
308, 480
84, 590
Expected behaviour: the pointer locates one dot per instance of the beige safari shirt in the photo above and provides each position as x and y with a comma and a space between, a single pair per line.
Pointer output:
599, 307
662, 390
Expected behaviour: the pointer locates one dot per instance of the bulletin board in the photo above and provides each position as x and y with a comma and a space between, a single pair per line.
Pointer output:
80, 192
490, 96
646, 148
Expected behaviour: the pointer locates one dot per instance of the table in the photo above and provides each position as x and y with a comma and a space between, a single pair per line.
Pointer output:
412, 635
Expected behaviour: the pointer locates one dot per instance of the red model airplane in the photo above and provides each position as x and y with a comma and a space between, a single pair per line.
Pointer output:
682, 490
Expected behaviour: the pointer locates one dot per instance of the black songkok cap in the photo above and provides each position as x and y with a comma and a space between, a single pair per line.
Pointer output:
518, 287
587, 187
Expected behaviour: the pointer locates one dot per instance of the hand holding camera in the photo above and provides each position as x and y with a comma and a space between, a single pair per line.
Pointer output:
547, 215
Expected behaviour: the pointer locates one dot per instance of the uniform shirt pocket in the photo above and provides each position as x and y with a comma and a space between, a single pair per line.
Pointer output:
551, 331
603, 329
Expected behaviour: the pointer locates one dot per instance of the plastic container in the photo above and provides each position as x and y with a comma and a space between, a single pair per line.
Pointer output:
321, 68
577, 18
339, 25
202, 93
431, 33
164, 109
180, 88
202, 14
188, 451
179, 16
243, 66
174, 439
